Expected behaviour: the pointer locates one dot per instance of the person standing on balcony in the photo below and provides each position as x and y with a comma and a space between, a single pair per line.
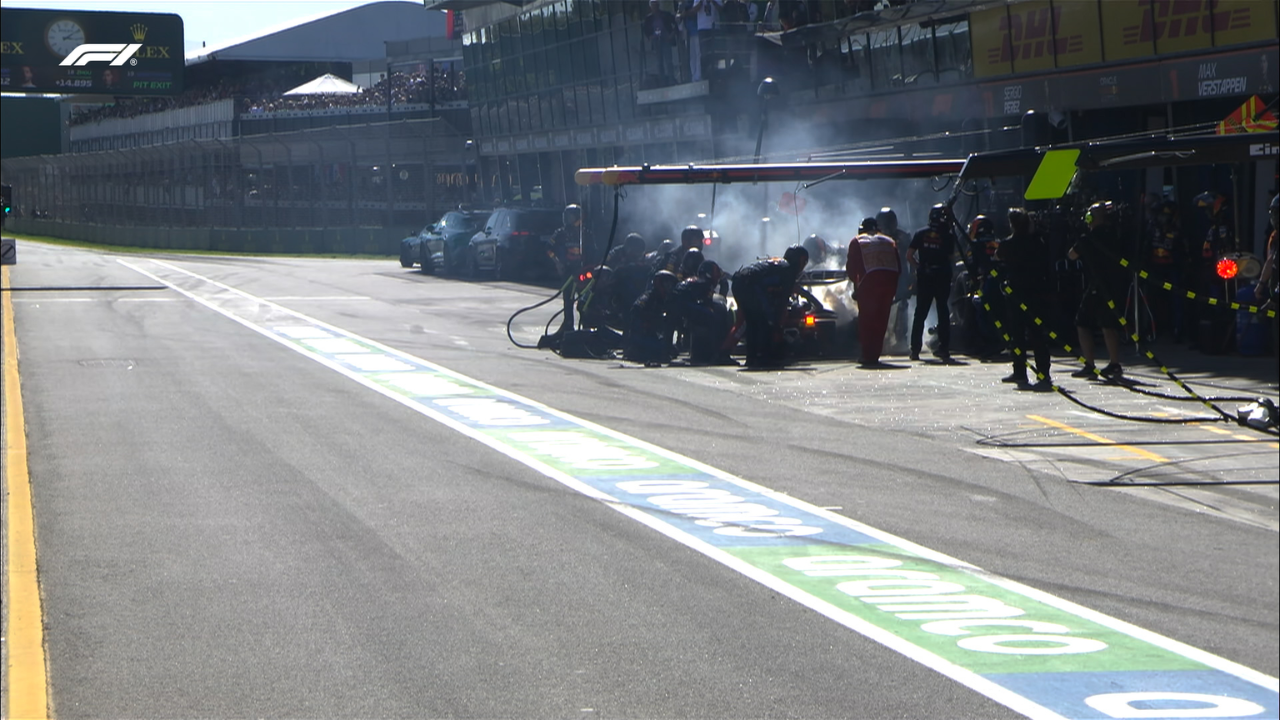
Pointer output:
660, 32
700, 18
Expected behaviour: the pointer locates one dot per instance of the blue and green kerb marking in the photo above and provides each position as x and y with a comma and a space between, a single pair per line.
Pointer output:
1036, 653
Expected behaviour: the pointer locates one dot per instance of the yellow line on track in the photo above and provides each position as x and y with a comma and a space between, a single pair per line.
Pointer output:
28, 687
1144, 454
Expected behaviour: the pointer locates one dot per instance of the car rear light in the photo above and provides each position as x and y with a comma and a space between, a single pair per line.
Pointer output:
810, 320
520, 233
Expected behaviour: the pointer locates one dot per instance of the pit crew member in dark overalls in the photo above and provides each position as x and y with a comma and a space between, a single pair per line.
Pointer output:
1220, 239
685, 260
822, 254
763, 293
873, 266
566, 246
1265, 289
932, 254
601, 307
648, 336
702, 314
985, 337
1166, 257
1104, 284
632, 271
1025, 263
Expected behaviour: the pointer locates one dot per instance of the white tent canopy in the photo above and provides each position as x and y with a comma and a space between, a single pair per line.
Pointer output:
326, 84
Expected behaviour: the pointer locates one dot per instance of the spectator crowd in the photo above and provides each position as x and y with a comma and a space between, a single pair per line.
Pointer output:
265, 96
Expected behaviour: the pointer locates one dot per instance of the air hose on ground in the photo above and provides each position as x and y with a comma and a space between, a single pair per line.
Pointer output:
1018, 305
565, 288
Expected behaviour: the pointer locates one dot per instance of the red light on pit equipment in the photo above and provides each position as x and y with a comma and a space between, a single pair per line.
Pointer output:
1227, 268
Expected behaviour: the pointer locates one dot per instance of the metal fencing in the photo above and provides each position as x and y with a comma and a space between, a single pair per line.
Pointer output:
397, 174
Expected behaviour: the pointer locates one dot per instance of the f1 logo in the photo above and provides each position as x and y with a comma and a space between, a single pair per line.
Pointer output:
115, 53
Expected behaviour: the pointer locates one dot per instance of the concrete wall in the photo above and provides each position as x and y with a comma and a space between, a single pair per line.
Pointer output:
266, 241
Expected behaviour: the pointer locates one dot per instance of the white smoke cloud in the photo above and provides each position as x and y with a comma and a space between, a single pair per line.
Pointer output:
833, 210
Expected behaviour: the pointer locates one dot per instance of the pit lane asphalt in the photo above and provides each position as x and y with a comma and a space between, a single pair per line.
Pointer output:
226, 529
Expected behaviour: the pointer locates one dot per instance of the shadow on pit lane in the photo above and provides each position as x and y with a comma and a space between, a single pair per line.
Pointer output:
882, 366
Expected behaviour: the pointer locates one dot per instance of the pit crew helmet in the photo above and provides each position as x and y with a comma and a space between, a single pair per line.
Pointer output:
796, 255
981, 225
1099, 212
1210, 202
709, 270
939, 216
887, 218
816, 246
691, 236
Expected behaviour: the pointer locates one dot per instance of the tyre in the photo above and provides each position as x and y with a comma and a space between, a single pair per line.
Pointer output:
471, 269
424, 257
500, 272
406, 260
448, 263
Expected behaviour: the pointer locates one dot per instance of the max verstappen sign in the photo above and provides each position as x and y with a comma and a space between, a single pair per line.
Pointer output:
82, 52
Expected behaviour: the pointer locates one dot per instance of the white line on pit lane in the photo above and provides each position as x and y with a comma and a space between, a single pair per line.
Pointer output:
308, 298
961, 674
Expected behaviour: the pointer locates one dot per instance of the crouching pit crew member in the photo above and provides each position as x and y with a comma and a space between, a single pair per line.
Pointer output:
684, 260
600, 306
632, 270
874, 267
702, 314
648, 336
763, 292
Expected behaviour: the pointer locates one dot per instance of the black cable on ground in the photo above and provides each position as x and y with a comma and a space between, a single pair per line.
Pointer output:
535, 306
1224, 416
563, 288
1181, 398
546, 329
1039, 322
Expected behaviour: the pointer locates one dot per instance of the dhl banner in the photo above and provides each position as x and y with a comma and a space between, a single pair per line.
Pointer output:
1241, 21
1039, 35
1139, 28
1035, 36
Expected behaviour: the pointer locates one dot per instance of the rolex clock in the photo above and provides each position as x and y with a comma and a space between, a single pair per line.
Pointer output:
63, 36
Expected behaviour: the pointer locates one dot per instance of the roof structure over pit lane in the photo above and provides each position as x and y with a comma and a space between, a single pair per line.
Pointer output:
768, 172
1106, 154
1130, 153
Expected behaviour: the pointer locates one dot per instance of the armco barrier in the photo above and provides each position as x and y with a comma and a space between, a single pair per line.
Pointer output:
258, 241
